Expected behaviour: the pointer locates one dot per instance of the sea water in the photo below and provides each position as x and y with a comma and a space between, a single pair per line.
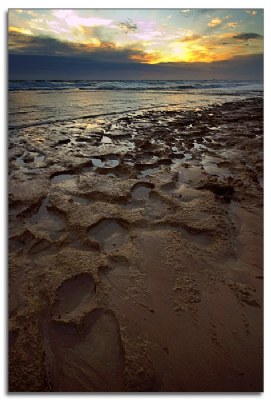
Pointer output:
44, 102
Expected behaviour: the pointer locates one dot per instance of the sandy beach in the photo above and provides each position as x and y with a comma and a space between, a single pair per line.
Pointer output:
136, 252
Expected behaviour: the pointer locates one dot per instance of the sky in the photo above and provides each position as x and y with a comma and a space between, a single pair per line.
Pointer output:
135, 44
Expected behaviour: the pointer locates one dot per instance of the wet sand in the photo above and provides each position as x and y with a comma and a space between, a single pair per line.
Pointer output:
136, 253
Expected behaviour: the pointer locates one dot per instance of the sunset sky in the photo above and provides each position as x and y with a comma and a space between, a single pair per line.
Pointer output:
135, 44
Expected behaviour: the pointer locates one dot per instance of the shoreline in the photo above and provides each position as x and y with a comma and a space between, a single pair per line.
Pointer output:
39, 107
135, 260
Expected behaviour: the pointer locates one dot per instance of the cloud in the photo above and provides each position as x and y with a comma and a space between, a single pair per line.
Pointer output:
197, 12
19, 42
248, 36
31, 13
85, 34
63, 14
149, 35
105, 51
215, 22
63, 67
19, 30
189, 38
202, 11
232, 24
128, 26
189, 51
190, 48
251, 12
72, 19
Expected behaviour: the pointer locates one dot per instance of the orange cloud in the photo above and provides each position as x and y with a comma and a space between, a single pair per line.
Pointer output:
189, 38
183, 52
152, 58
19, 30
215, 22
147, 42
91, 43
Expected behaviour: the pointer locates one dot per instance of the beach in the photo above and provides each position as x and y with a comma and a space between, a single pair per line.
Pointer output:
136, 245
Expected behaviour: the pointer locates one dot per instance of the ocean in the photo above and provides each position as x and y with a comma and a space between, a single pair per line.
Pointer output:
40, 102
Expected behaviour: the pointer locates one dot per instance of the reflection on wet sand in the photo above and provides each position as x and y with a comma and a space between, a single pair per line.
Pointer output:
135, 259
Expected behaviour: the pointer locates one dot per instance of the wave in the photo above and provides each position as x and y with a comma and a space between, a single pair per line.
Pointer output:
156, 86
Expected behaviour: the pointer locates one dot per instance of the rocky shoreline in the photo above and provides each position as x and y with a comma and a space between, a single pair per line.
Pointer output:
135, 252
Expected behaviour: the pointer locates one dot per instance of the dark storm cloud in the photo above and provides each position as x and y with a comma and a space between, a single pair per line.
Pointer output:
128, 26
64, 67
21, 43
40, 45
61, 67
248, 36
39, 57
240, 67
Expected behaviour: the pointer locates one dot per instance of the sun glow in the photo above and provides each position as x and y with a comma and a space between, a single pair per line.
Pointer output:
182, 52
143, 40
